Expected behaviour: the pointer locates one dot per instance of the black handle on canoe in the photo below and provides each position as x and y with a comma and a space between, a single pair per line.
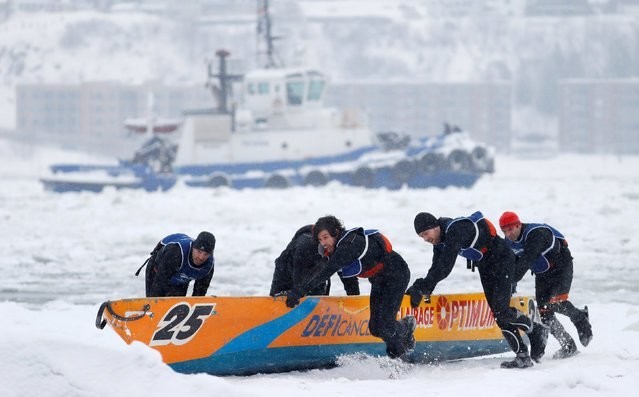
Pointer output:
101, 323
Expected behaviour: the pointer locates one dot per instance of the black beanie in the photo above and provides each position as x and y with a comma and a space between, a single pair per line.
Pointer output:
425, 221
205, 241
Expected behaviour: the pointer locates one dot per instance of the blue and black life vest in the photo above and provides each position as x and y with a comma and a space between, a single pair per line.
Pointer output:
187, 271
473, 252
541, 264
355, 268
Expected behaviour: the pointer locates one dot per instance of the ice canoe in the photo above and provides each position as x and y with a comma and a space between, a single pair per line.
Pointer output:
248, 335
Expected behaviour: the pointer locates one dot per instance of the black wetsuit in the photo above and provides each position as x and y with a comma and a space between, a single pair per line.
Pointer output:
388, 274
162, 269
496, 272
298, 261
553, 278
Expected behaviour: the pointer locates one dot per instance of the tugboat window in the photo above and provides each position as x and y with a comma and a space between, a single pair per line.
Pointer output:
295, 92
315, 89
263, 88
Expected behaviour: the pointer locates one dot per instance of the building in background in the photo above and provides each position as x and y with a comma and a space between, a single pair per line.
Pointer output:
599, 116
483, 109
595, 116
80, 114
95, 112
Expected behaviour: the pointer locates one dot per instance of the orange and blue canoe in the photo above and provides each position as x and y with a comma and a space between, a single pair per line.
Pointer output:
248, 335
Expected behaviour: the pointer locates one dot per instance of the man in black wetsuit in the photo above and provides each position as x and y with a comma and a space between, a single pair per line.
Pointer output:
367, 254
176, 261
298, 261
543, 250
475, 238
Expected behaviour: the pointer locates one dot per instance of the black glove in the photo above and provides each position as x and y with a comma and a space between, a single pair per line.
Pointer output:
351, 285
416, 296
292, 298
417, 293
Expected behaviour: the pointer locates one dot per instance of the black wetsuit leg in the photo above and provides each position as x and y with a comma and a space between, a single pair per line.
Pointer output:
387, 292
496, 272
551, 292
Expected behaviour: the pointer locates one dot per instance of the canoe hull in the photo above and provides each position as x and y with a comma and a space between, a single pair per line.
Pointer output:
247, 335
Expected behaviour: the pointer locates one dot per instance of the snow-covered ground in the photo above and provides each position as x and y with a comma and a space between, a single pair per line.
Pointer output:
62, 255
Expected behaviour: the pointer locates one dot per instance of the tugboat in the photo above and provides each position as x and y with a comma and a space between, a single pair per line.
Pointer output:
276, 132
280, 134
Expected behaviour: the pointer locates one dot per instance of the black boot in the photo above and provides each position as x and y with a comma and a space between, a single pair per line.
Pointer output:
568, 346
584, 329
409, 339
568, 349
538, 338
522, 360
404, 343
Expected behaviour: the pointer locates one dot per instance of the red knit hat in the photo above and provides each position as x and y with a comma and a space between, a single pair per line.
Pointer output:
508, 218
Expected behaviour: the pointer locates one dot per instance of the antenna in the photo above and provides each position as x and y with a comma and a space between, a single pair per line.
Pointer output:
265, 29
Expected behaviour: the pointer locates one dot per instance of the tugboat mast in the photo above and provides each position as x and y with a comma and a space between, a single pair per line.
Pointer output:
264, 29
222, 90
